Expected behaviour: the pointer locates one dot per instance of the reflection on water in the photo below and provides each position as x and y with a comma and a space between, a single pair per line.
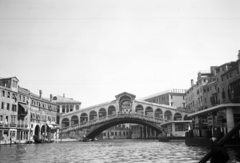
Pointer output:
102, 151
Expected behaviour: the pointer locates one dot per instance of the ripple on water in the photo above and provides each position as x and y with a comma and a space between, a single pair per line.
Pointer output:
114, 151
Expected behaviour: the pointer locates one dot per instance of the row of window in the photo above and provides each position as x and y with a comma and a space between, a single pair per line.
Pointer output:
39, 117
44, 105
66, 111
67, 108
7, 106
24, 99
13, 120
117, 133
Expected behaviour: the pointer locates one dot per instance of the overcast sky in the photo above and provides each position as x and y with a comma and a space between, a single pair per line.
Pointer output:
92, 50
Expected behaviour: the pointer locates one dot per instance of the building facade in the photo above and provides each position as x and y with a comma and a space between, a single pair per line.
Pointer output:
219, 108
65, 105
23, 114
43, 117
173, 97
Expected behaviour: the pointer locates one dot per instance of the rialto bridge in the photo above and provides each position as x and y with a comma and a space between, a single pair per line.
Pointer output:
91, 121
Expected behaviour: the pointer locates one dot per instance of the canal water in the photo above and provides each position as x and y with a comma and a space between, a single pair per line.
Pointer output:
105, 151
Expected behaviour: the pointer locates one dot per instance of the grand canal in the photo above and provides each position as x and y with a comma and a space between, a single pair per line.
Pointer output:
102, 151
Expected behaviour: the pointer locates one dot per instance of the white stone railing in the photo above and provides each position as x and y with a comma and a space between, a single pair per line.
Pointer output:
113, 116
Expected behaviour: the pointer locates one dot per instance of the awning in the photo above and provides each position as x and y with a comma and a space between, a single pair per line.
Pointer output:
24, 107
170, 122
53, 123
22, 111
49, 125
214, 108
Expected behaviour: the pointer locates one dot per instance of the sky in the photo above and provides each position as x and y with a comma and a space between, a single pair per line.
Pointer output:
93, 50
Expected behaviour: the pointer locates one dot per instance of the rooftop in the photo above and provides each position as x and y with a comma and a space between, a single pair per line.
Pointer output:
178, 91
62, 99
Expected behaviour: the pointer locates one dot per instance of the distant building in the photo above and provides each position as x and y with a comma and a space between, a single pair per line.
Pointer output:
122, 131
173, 97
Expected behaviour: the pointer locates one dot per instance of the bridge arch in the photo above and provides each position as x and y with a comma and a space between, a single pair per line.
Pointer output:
93, 115
111, 110
149, 111
158, 113
102, 113
168, 115
92, 134
139, 109
74, 120
65, 122
83, 117
177, 117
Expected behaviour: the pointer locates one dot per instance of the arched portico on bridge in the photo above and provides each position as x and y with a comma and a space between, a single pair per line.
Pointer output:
149, 111
111, 110
158, 113
168, 115
93, 115
65, 122
83, 117
74, 120
177, 117
139, 109
102, 113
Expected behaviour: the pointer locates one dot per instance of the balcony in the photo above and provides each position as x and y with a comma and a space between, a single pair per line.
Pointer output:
6, 125
13, 125
26, 126
22, 125
1, 124
18, 125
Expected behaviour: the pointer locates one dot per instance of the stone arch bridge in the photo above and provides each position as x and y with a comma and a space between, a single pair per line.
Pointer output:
91, 121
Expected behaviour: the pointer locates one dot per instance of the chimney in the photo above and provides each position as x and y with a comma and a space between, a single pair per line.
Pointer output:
191, 82
63, 95
238, 54
50, 97
40, 93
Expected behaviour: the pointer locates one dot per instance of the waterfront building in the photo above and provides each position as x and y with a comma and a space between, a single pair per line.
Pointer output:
23, 115
218, 111
65, 105
122, 131
173, 97
43, 117
13, 112
195, 95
